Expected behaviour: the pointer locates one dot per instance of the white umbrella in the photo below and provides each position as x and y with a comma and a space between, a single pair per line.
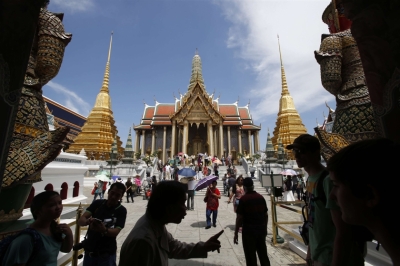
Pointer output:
103, 178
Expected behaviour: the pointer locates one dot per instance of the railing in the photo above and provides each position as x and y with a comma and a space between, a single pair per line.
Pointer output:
275, 224
260, 174
77, 234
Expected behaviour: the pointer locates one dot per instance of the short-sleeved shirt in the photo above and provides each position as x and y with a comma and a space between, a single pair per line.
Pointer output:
100, 210
213, 201
253, 207
323, 230
21, 249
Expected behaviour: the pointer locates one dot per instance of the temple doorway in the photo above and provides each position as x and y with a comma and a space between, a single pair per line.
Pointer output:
197, 139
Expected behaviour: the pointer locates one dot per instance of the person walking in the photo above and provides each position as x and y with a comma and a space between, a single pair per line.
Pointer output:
99, 190
167, 172
252, 215
190, 200
216, 169
237, 192
213, 195
129, 192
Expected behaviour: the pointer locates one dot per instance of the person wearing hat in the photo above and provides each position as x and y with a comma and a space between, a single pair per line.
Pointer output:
330, 239
252, 215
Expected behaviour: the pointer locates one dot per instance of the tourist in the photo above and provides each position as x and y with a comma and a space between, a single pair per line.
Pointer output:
106, 219
216, 169
223, 160
330, 240
212, 195
231, 182
167, 172
153, 182
300, 186
138, 183
41, 242
190, 200
234, 170
363, 193
237, 192
99, 190
295, 183
129, 192
149, 243
205, 170
252, 215
105, 183
95, 186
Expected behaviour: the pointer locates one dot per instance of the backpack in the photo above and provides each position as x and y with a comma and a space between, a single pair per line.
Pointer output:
360, 233
37, 243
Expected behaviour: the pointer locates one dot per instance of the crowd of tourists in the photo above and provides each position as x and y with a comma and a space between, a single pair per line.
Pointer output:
348, 203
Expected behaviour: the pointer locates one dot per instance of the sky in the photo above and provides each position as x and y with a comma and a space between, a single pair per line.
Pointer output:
154, 42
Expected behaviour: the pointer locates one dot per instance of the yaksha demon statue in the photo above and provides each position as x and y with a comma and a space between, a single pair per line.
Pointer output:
33, 146
342, 75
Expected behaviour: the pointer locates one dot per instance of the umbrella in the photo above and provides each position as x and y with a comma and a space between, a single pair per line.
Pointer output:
201, 154
115, 177
103, 178
187, 172
205, 182
217, 161
288, 172
180, 153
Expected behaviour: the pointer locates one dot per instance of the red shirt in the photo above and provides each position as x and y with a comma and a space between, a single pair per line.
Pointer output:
213, 201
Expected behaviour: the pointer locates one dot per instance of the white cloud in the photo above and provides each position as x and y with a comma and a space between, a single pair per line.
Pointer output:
71, 99
74, 5
253, 37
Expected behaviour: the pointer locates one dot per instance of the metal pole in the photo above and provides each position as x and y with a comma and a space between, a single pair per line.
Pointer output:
278, 239
77, 238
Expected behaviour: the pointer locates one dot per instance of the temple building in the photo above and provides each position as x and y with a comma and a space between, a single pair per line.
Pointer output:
197, 123
99, 131
288, 123
59, 115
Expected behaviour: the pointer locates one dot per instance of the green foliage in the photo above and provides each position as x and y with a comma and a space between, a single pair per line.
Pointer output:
137, 154
253, 158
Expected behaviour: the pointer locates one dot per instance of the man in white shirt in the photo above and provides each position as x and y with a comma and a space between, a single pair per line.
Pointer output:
190, 199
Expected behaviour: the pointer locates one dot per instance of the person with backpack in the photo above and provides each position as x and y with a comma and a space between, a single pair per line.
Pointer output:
40, 243
330, 238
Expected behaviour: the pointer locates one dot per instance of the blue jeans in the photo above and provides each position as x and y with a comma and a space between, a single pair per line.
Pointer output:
208, 215
107, 260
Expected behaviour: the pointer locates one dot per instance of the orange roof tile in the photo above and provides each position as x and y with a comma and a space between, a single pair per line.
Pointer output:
228, 110
244, 113
231, 123
164, 109
148, 112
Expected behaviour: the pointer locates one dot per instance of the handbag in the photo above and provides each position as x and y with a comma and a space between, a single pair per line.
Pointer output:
205, 199
93, 190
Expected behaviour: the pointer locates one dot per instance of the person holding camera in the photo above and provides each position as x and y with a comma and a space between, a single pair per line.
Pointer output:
105, 219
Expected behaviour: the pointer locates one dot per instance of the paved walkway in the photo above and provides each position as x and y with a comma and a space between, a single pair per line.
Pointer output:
192, 229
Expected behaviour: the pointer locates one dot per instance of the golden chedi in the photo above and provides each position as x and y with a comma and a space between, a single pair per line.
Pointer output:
288, 124
99, 130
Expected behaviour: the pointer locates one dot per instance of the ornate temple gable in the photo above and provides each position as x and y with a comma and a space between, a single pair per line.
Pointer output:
200, 97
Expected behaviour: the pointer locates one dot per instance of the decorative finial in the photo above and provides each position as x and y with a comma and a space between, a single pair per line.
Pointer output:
106, 79
219, 96
249, 102
197, 52
283, 76
154, 98
109, 50
238, 99
323, 114
144, 102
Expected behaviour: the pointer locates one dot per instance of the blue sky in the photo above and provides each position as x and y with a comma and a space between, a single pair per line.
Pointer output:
154, 43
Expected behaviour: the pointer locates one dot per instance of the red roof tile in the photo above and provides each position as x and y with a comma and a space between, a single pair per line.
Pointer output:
244, 113
231, 123
148, 112
164, 109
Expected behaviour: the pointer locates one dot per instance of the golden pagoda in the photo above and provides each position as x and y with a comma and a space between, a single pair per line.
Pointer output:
99, 131
288, 124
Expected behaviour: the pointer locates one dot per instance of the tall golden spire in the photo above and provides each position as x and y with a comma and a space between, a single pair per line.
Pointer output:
288, 124
283, 75
99, 131
106, 79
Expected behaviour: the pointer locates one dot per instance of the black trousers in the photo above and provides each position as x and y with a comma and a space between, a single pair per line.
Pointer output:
129, 194
251, 246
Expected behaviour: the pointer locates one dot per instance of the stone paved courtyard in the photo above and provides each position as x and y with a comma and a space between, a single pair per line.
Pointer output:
192, 229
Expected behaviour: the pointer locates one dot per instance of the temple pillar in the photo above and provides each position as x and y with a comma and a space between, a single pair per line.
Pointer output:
229, 140
164, 145
240, 141
210, 138
221, 139
257, 144
173, 140
153, 141
215, 143
179, 140
143, 142
250, 143
185, 136
137, 143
